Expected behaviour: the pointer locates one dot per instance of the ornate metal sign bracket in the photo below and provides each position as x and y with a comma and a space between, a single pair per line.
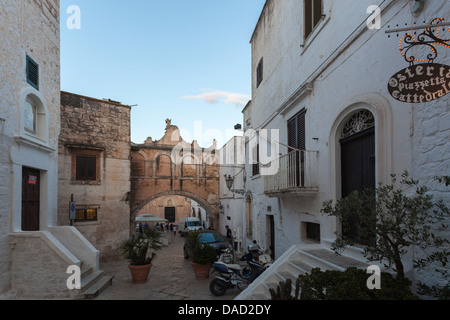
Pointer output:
429, 38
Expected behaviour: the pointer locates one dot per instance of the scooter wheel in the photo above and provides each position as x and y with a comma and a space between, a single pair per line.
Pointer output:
218, 287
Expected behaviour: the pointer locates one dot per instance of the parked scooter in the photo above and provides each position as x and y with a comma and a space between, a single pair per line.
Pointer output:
256, 254
231, 276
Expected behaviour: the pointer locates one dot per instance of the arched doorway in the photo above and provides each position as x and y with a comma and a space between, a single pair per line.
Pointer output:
210, 210
358, 161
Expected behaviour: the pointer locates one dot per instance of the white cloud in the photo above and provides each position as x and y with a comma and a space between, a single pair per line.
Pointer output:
213, 97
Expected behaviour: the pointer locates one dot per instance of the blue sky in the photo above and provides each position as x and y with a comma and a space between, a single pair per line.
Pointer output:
187, 60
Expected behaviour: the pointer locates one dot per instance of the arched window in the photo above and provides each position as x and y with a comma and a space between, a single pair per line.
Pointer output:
34, 118
137, 165
361, 121
163, 166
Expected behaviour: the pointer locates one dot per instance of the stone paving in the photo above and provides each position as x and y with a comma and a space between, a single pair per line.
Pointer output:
171, 278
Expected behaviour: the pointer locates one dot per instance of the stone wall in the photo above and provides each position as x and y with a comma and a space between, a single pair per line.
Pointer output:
100, 128
171, 166
29, 27
30, 272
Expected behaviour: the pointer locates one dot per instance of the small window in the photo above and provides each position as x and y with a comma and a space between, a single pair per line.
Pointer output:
259, 73
313, 231
313, 14
32, 73
256, 169
86, 215
86, 168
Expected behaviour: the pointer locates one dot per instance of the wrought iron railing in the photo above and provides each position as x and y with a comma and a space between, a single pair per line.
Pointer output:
297, 170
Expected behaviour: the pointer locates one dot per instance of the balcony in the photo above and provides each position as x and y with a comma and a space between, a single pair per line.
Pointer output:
297, 175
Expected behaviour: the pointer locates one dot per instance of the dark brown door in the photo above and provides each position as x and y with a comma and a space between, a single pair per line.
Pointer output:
358, 162
30, 199
169, 214
271, 235
358, 173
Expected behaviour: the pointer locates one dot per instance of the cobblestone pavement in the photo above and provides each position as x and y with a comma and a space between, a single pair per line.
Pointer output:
171, 278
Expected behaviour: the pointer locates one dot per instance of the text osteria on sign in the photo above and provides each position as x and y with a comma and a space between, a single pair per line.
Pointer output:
420, 83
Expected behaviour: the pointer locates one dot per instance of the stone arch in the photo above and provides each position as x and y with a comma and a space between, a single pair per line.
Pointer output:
138, 164
211, 210
31, 97
162, 165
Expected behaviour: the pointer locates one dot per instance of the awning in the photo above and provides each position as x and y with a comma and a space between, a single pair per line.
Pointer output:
148, 217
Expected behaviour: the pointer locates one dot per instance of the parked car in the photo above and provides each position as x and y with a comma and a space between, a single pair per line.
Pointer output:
213, 238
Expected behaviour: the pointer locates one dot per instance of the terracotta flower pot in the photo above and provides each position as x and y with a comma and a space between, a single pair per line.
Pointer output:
140, 273
201, 270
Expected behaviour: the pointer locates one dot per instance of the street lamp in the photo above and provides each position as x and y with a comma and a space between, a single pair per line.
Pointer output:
230, 181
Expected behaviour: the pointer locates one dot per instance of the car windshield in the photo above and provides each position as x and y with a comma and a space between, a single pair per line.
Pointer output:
211, 237
193, 223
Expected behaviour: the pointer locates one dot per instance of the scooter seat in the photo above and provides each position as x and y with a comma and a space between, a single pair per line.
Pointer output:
230, 266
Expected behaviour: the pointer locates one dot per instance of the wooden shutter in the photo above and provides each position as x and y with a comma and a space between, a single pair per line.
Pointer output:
297, 131
32, 71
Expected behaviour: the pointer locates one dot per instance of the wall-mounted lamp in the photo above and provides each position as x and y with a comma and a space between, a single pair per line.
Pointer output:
230, 181
416, 7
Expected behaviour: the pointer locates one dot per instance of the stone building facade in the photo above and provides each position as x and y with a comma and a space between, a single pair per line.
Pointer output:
171, 166
34, 252
172, 208
94, 168
29, 126
320, 79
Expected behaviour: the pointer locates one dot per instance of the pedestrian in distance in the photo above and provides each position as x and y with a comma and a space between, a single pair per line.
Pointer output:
229, 235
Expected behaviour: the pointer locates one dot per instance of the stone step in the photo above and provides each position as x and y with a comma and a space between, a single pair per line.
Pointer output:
298, 260
95, 289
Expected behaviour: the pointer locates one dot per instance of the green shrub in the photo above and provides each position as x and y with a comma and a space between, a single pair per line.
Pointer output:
350, 284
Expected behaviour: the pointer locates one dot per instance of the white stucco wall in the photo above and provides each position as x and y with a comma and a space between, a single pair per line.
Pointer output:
348, 67
27, 28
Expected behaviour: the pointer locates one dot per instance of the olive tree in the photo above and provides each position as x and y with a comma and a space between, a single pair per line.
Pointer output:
395, 218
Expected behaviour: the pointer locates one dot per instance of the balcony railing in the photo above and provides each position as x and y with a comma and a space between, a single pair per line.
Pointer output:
297, 174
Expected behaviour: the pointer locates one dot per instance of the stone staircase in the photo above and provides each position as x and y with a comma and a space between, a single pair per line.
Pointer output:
93, 282
300, 259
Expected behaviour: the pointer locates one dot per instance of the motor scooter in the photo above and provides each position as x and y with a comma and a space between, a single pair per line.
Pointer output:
231, 276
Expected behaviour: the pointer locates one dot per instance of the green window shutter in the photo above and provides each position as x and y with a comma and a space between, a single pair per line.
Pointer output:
32, 73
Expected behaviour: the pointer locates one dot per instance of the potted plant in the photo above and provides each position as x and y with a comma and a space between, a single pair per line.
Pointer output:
137, 247
203, 255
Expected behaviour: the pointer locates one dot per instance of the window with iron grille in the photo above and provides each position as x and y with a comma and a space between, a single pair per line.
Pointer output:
86, 215
313, 13
32, 71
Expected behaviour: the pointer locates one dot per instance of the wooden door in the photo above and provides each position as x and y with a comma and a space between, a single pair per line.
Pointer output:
358, 172
30, 199
271, 235
169, 214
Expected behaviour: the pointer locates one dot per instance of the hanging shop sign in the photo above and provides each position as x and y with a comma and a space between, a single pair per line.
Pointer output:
420, 83
426, 81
